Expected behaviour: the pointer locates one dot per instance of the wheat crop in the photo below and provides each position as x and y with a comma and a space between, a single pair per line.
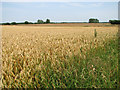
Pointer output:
28, 51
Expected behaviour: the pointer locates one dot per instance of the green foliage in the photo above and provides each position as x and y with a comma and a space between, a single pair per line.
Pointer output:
40, 22
47, 20
95, 33
92, 20
114, 21
6, 23
13, 23
98, 70
26, 22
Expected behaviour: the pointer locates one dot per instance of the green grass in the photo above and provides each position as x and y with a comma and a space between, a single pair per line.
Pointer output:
98, 69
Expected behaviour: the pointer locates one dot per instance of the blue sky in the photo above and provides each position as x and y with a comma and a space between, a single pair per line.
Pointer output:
59, 11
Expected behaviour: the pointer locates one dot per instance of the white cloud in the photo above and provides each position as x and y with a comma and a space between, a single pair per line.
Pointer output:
59, 0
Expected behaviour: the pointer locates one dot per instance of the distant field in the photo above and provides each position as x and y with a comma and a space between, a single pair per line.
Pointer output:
60, 55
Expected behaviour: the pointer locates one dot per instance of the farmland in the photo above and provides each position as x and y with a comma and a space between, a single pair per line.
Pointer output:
59, 55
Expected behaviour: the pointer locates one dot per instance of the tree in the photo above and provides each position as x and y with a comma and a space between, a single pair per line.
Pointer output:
114, 21
13, 23
40, 21
47, 20
26, 22
92, 20
6, 23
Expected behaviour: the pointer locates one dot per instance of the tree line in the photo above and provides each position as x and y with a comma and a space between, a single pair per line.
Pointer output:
114, 21
39, 21
27, 22
92, 20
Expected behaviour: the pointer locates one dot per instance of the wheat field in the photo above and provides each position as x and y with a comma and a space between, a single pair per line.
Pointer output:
32, 54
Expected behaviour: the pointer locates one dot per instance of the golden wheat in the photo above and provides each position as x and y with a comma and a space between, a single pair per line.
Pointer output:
26, 48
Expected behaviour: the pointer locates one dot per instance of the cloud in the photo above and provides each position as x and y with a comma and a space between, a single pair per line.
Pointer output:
59, 0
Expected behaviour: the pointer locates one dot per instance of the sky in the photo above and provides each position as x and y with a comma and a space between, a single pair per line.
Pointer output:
59, 0
59, 11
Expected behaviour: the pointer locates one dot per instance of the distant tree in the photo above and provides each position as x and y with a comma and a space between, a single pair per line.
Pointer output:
26, 22
114, 21
13, 23
47, 20
30, 22
6, 23
40, 22
35, 23
92, 20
